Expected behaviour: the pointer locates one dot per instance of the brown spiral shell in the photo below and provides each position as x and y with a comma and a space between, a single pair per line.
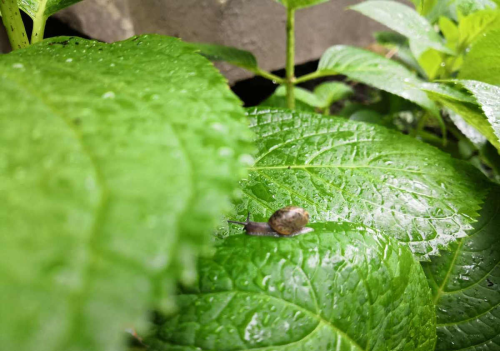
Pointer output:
289, 220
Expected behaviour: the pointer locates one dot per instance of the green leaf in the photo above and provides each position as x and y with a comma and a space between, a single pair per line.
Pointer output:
431, 61
297, 4
342, 287
472, 26
237, 57
375, 70
117, 161
305, 100
449, 30
405, 21
46, 8
466, 286
401, 46
482, 63
424, 6
472, 109
361, 173
330, 92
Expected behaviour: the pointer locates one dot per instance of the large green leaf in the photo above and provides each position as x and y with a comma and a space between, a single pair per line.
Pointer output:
297, 4
375, 70
405, 21
361, 173
473, 26
116, 162
45, 8
482, 63
481, 110
466, 286
341, 288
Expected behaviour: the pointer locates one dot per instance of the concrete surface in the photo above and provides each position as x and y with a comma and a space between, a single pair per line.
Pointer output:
255, 25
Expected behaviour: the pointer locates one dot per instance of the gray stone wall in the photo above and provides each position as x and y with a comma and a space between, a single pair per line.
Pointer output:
255, 25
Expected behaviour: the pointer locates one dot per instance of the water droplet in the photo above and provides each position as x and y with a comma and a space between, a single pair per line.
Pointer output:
108, 95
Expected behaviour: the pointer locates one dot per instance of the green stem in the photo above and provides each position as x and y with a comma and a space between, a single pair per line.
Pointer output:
13, 23
38, 28
290, 58
314, 75
268, 75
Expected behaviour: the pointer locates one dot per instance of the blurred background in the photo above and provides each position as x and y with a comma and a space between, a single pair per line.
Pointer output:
254, 25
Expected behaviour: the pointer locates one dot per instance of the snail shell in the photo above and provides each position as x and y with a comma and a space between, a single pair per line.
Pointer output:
289, 220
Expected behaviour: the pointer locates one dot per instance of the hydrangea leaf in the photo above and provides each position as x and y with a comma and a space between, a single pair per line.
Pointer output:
45, 8
481, 109
466, 286
361, 173
406, 21
116, 162
341, 287
375, 70
331, 92
482, 62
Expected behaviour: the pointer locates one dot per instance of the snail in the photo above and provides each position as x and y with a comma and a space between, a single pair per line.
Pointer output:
288, 221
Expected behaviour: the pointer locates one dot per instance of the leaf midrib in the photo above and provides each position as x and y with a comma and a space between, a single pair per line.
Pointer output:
318, 317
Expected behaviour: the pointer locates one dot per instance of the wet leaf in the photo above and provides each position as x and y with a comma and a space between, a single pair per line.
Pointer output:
406, 21
375, 70
482, 63
481, 110
116, 162
342, 170
45, 8
466, 286
341, 287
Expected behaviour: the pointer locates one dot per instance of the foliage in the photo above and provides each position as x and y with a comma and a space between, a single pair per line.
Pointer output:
123, 157
300, 294
111, 180
466, 285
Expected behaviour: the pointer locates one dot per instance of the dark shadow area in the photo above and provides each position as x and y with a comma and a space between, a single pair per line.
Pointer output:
53, 28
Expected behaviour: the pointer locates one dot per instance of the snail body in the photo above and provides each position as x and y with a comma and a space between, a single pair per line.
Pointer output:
288, 221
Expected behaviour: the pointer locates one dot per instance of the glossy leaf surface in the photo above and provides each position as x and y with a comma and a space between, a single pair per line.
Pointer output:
481, 110
361, 173
406, 21
341, 287
116, 162
482, 63
297, 4
375, 70
466, 286
46, 8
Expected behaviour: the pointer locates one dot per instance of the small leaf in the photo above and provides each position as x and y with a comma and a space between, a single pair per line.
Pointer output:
430, 61
342, 287
401, 46
305, 100
482, 63
117, 161
470, 108
472, 26
466, 286
424, 6
297, 4
330, 92
405, 21
375, 70
46, 8
449, 30
237, 57
350, 171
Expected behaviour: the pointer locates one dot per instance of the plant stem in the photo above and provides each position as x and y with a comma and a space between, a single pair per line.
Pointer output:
290, 58
13, 23
314, 75
268, 75
38, 28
